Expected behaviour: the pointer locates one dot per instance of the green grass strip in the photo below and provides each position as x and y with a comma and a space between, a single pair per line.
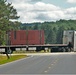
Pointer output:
3, 59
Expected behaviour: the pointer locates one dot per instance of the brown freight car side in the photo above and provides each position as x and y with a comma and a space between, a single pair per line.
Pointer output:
27, 37
35, 37
18, 37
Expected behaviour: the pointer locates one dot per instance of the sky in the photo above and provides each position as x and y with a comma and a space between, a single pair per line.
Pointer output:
44, 10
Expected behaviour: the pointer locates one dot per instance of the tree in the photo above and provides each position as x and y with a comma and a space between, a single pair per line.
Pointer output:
7, 13
60, 34
53, 30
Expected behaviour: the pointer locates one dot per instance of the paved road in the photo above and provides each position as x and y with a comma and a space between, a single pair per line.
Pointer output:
55, 63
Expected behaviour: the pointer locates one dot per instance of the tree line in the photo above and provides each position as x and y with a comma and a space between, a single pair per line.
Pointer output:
53, 30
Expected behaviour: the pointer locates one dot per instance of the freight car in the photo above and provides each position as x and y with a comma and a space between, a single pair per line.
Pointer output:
27, 37
34, 40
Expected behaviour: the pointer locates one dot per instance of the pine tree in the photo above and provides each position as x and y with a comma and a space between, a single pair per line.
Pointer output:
7, 12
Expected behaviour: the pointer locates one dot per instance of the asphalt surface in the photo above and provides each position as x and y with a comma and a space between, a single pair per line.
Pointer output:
52, 63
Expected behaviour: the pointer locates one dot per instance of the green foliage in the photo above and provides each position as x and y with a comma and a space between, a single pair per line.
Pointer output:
7, 13
53, 30
3, 59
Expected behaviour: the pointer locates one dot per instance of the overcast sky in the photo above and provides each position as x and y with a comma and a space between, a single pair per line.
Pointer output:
44, 10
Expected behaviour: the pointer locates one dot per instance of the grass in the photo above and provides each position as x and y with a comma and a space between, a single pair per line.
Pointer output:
3, 59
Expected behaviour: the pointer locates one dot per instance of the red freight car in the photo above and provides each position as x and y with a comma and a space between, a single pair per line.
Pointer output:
27, 37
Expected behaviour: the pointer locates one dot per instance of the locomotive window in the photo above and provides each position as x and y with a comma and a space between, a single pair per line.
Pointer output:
14, 34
